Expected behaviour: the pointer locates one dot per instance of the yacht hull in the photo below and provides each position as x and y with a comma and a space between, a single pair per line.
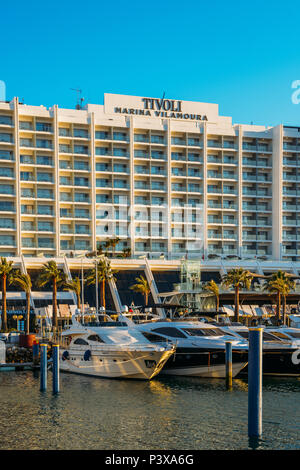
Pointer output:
203, 363
279, 362
115, 365
202, 371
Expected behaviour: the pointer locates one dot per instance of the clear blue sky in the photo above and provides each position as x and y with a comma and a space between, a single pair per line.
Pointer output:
242, 55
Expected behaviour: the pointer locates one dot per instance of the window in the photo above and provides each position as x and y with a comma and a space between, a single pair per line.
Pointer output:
120, 136
43, 143
104, 198
81, 133
102, 151
83, 149
81, 165
7, 120
26, 176
153, 338
269, 337
83, 229
294, 334
26, 159
6, 206
6, 155
65, 212
47, 177
101, 135
43, 127
4, 137
27, 225
119, 152
80, 341
64, 245
45, 193
45, 210
82, 245
7, 172
43, 160
167, 331
7, 240
64, 131
26, 125
6, 189
80, 181
45, 243
7, 223
82, 213
95, 338
204, 331
81, 197
45, 226
280, 335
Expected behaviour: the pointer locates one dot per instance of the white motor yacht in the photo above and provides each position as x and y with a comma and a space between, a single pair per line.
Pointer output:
111, 350
200, 347
280, 347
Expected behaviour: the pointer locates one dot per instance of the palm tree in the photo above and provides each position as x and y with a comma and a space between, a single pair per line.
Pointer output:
5, 272
112, 243
238, 279
105, 274
23, 281
126, 253
142, 286
51, 274
74, 285
280, 283
212, 287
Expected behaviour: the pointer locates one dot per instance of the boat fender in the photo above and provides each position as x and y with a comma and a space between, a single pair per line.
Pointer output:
65, 355
87, 355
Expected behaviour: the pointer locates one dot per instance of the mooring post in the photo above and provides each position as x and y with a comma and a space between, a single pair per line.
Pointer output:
255, 382
228, 358
35, 352
55, 368
43, 367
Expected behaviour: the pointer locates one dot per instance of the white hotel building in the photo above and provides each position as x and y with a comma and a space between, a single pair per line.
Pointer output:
166, 177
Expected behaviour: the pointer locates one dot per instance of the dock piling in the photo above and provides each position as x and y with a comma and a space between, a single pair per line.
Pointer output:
43, 368
35, 352
255, 383
55, 368
228, 360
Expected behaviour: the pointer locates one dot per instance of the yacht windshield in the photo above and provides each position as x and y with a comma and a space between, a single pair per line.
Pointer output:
294, 334
280, 335
266, 336
154, 338
204, 331
95, 338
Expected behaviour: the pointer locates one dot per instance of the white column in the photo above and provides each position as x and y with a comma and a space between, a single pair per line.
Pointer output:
93, 181
240, 191
17, 176
56, 178
205, 246
131, 184
169, 189
277, 192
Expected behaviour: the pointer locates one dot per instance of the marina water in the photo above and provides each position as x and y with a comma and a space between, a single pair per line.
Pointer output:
166, 413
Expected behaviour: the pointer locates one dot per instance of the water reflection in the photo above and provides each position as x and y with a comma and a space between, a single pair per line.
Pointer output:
166, 413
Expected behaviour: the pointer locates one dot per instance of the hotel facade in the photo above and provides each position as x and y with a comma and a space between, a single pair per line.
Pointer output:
168, 177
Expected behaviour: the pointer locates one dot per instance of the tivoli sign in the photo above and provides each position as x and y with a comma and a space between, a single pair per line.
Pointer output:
161, 108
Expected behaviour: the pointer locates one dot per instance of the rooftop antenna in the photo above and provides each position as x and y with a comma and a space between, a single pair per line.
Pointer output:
80, 100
